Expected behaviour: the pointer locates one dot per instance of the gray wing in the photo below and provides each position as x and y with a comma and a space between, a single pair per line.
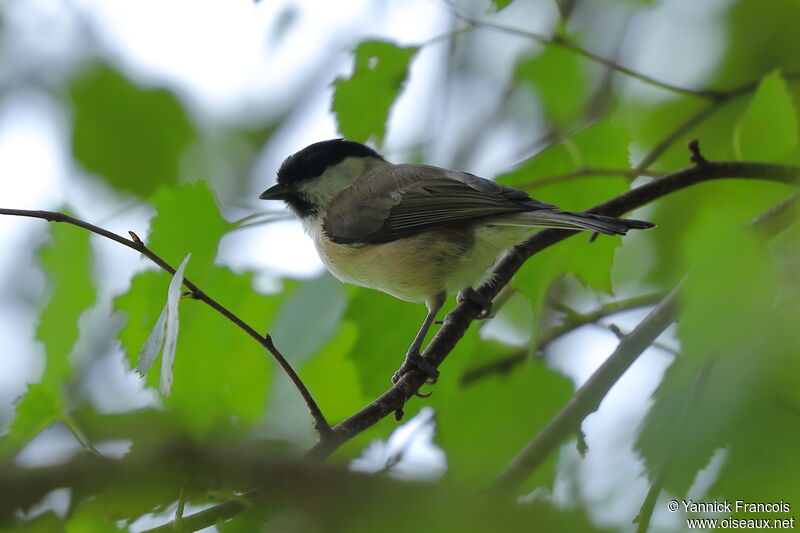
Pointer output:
397, 201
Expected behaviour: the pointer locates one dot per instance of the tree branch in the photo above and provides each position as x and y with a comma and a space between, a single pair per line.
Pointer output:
564, 42
202, 519
135, 243
457, 321
713, 95
589, 171
573, 321
587, 398
705, 112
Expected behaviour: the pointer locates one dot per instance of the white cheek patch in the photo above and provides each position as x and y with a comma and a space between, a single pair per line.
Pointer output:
321, 190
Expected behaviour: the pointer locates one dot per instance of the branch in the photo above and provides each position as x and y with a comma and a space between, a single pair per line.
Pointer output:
619, 334
715, 96
589, 171
572, 322
457, 321
203, 519
682, 129
564, 42
587, 399
705, 112
135, 243
175, 465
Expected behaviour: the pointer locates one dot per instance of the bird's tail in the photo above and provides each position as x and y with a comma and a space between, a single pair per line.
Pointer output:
547, 218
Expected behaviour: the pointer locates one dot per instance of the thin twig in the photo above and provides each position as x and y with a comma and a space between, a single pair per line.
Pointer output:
619, 334
713, 95
181, 507
78, 433
201, 519
135, 243
574, 321
564, 42
682, 129
445, 36
588, 171
587, 398
698, 117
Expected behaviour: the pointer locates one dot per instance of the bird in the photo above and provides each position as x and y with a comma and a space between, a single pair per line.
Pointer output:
416, 232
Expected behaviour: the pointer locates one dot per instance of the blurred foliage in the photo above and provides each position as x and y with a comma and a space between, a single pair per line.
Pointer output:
233, 423
225, 376
132, 137
500, 4
559, 78
66, 259
768, 128
362, 102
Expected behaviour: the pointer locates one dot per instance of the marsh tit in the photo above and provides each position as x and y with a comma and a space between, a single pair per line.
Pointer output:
416, 232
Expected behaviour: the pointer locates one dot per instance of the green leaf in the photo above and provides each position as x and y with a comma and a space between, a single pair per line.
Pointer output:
334, 377
501, 4
362, 102
252, 520
221, 375
91, 519
602, 145
386, 326
37, 409
768, 129
728, 328
483, 425
47, 522
760, 37
559, 78
730, 284
538, 274
760, 465
321, 301
67, 262
132, 137
101, 504
676, 213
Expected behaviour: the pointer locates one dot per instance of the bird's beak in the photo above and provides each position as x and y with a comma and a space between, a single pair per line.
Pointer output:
276, 192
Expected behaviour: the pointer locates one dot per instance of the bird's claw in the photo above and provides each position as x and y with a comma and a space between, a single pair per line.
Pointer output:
472, 295
415, 360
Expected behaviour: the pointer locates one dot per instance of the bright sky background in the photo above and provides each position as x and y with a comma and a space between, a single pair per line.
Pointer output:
216, 55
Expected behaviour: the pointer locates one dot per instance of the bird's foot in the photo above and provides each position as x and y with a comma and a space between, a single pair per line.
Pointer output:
472, 295
415, 360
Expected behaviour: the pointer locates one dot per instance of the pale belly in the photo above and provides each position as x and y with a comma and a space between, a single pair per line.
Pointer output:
420, 267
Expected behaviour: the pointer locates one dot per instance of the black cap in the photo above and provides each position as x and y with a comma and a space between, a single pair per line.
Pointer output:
311, 161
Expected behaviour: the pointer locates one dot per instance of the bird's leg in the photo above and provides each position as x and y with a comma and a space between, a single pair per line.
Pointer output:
413, 356
471, 294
